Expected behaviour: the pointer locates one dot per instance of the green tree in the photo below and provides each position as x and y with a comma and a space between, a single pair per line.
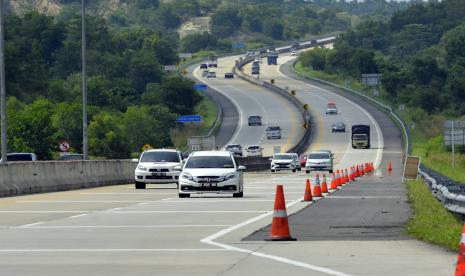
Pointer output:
106, 136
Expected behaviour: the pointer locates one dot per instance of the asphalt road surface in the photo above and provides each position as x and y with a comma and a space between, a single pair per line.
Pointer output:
118, 230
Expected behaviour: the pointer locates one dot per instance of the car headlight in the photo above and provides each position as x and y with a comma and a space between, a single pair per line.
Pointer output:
187, 176
229, 176
142, 168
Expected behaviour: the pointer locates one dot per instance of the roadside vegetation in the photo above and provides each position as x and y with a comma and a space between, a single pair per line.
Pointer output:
419, 53
430, 221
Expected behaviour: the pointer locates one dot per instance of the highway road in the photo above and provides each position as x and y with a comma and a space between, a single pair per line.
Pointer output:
253, 100
117, 230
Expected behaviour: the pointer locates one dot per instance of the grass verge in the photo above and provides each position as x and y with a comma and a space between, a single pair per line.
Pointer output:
431, 222
209, 111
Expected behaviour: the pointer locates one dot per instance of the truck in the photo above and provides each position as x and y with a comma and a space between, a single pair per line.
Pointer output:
272, 58
212, 61
360, 136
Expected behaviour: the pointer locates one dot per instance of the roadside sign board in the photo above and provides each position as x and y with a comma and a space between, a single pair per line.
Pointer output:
371, 79
238, 45
411, 167
185, 55
454, 132
147, 147
197, 143
64, 146
200, 87
170, 67
189, 119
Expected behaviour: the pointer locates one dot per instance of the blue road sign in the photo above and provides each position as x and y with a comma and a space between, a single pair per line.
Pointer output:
200, 87
238, 45
189, 119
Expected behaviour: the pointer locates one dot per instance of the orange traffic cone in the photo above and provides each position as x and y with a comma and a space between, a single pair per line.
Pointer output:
357, 172
280, 224
338, 178
460, 269
324, 185
352, 174
333, 182
362, 171
347, 176
390, 166
343, 178
366, 170
308, 191
317, 188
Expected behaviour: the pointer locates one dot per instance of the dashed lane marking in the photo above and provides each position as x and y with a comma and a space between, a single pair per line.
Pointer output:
109, 250
120, 226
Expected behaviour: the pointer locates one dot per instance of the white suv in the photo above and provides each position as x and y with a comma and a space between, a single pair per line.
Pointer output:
157, 166
284, 161
211, 172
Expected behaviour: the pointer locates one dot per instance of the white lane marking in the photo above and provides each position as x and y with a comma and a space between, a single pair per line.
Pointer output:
375, 123
142, 203
210, 240
226, 199
78, 216
71, 250
114, 209
169, 198
367, 197
30, 224
128, 212
120, 226
146, 193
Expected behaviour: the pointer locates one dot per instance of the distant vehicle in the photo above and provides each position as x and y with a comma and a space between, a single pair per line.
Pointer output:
255, 70
331, 108
272, 58
293, 53
255, 120
229, 75
262, 50
211, 172
338, 127
319, 161
157, 166
303, 160
72, 156
283, 161
234, 149
271, 49
20, 157
297, 161
254, 150
256, 64
205, 73
273, 132
212, 61
211, 74
259, 60
361, 136
250, 54
203, 66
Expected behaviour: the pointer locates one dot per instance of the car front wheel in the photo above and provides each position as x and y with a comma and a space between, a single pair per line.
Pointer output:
184, 195
240, 194
140, 185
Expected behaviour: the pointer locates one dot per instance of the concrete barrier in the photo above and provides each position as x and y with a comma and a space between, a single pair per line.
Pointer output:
49, 176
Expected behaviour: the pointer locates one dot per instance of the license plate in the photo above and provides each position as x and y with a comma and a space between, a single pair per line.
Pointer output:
206, 185
159, 174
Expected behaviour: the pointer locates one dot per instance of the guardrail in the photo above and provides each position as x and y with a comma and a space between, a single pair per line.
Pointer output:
451, 194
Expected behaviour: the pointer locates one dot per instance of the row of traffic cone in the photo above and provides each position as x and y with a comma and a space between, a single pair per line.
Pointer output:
280, 224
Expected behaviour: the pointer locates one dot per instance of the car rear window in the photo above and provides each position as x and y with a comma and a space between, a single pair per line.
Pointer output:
19, 157
318, 156
209, 162
160, 156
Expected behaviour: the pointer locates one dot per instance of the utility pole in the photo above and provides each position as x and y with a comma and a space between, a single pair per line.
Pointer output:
84, 82
2, 86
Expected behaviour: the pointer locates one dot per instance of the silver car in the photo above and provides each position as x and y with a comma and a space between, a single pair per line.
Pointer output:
283, 161
319, 161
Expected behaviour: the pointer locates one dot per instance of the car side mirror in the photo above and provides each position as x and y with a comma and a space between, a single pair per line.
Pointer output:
270, 159
241, 168
177, 168
135, 160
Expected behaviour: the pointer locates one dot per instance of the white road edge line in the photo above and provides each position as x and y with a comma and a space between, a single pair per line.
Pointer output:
30, 224
110, 250
210, 240
78, 216
118, 226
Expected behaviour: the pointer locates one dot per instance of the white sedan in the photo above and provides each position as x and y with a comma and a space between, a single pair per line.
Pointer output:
254, 150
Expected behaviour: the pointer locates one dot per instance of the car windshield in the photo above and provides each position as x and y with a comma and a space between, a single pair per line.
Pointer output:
360, 137
19, 157
339, 124
209, 162
283, 157
160, 156
318, 156
272, 128
254, 147
233, 147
